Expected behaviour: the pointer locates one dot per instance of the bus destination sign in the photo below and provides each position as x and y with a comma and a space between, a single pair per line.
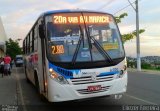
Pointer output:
88, 19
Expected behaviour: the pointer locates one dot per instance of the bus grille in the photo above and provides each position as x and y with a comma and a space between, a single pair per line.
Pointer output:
86, 91
88, 80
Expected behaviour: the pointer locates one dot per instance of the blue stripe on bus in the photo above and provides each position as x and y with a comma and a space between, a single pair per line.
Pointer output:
69, 77
108, 73
55, 69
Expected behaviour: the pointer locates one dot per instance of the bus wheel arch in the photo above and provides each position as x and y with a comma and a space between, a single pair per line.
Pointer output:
37, 85
36, 80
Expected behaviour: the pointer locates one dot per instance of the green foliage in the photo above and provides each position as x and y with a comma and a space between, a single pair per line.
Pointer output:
129, 36
146, 66
140, 32
118, 19
158, 68
13, 48
131, 64
126, 37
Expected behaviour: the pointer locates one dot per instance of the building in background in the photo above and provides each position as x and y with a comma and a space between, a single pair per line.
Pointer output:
3, 38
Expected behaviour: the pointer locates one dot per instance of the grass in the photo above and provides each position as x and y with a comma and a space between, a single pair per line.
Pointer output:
151, 68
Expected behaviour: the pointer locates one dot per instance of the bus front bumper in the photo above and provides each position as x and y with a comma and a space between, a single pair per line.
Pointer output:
59, 93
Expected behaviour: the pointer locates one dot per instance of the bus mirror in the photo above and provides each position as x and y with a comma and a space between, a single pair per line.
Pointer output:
41, 31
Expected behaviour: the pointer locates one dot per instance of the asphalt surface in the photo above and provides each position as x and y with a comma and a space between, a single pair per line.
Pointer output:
143, 89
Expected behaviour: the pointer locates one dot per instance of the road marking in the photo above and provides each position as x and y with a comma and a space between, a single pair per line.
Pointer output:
20, 91
141, 99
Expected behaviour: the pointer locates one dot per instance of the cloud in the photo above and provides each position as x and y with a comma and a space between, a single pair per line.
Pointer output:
145, 50
92, 4
18, 22
151, 28
28, 11
19, 16
149, 45
126, 28
154, 11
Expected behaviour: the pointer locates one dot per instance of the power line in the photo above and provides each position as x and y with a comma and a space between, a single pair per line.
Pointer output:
131, 5
118, 10
124, 8
103, 6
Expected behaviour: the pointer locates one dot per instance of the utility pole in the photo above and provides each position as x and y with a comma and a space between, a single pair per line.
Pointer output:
137, 34
137, 39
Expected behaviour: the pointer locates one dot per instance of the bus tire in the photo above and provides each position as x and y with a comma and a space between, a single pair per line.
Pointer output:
36, 82
28, 81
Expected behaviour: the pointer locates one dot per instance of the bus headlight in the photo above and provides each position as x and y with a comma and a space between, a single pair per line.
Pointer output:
122, 72
60, 79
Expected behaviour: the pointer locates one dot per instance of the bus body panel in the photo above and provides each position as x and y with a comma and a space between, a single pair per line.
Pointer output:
29, 69
33, 65
42, 70
40, 66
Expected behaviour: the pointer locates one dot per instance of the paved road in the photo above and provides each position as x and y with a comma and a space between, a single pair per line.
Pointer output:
143, 89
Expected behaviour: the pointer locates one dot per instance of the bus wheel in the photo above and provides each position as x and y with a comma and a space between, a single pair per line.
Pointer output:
36, 83
28, 81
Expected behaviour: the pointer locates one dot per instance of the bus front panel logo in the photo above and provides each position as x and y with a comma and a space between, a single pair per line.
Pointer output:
93, 77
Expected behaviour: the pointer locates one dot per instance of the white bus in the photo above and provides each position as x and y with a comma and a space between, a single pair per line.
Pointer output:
75, 54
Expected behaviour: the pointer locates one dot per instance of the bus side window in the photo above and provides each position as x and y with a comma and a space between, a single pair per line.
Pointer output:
35, 37
30, 42
26, 45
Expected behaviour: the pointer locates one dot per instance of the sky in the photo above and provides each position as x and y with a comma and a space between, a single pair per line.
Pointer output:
18, 16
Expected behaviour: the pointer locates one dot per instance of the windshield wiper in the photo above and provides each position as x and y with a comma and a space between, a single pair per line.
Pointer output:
89, 40
99, 47
78, 46
101, 50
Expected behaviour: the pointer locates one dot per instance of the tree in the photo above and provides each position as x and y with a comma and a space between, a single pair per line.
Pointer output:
118, 18
129, 36
13, 48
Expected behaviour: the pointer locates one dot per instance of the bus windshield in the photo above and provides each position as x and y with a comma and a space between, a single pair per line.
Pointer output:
82, 37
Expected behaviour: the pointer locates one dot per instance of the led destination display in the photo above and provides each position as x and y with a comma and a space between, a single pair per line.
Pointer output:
79, 19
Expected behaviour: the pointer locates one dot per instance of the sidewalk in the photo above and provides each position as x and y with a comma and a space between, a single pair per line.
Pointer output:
8, 89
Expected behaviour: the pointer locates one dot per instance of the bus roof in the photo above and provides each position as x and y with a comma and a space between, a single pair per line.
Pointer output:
70, 10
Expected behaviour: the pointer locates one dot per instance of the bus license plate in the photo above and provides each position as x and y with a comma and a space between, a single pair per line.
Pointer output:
94, 88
